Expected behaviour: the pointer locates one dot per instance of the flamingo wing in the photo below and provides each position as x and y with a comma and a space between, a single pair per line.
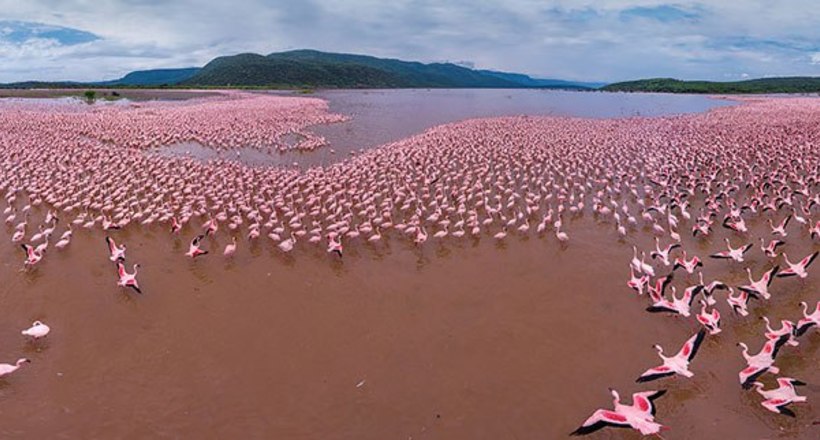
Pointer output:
809, 259
778, 406
29, 251
657, 308
803, 326
779, 343
691, 346
750, 290
749, 375
786, 273
601, 419
770, 274
645, 401
661, 283
112, 246
655, 374
133, 284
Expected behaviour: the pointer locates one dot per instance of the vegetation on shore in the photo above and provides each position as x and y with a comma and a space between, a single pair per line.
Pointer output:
796, 84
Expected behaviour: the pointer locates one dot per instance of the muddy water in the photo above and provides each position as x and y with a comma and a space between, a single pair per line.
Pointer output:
461, 340
378, 117
382, 116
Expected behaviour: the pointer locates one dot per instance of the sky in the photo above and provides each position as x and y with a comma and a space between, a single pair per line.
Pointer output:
586, 40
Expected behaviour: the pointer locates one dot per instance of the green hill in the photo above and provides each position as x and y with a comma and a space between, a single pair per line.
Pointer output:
310, 68
155, 77
796, 84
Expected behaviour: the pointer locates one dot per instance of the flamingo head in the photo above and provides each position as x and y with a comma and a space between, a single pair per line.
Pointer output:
758, 385
615, 396
36, 323
658, 348
22, 361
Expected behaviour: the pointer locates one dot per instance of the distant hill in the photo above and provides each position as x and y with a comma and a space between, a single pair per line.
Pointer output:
542, 82
795, 84
315, 69
310, 68
156, 77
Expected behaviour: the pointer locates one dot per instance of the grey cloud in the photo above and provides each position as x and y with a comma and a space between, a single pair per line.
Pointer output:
573, 39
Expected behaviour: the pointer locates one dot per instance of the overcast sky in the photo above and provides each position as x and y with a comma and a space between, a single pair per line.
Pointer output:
568, 39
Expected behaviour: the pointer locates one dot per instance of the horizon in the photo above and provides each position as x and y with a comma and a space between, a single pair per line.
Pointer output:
574, 40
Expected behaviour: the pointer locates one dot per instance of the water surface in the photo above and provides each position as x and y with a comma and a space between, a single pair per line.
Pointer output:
378, 117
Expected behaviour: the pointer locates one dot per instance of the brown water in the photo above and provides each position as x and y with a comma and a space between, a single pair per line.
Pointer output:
461, 340
378, 117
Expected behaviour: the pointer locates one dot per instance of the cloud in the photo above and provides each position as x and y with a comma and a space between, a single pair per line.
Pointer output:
573, 39
662, 13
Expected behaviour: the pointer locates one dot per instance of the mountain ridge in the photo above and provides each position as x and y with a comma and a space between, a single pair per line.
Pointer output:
306, 68
785, 84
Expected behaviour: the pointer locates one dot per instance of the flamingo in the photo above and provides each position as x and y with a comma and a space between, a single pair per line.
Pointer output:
739, 303
115, 253
128, 279
32, 256
639, 416
787, 328
663, 254
780, 229
798, 269
710, 320
770, 250
809, 320
175, 226
37, 330
709, 289
735, 254
194, 249
761, 286
761, 362
677, 364
6, 369
688, 265
335, 245
676, 305
779, 398
230, 248
637, 283
287, 244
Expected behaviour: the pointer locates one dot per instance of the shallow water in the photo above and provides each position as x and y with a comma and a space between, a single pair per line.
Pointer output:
463, 339
382, 116
378, 117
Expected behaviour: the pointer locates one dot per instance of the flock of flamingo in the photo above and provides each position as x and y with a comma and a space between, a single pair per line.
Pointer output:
87, 167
